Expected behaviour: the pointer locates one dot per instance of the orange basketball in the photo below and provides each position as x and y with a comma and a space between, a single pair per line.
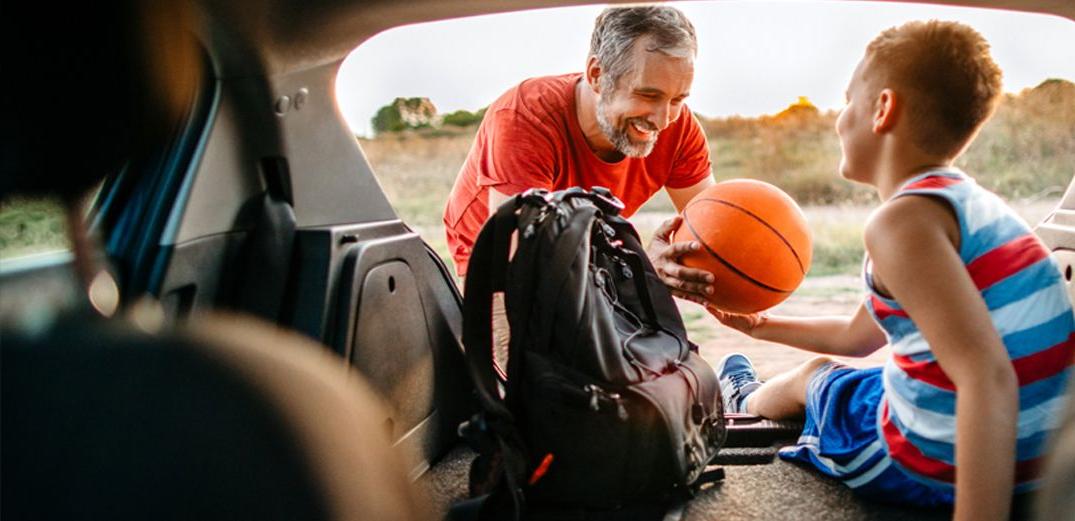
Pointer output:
755, 242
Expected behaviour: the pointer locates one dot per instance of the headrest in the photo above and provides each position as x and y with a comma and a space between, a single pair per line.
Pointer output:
233, 420
88, 86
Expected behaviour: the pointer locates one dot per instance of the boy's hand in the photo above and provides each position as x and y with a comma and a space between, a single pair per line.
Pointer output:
745, 324
686, 283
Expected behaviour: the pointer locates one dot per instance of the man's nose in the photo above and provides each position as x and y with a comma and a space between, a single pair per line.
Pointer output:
661, 116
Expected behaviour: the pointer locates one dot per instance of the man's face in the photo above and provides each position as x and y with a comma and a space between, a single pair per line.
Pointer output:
645, 100
854, 127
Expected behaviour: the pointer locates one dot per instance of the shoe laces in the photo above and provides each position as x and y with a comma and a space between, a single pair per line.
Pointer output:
740, 379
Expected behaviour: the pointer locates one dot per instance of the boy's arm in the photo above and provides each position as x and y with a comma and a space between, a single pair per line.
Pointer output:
856, 335
912, 243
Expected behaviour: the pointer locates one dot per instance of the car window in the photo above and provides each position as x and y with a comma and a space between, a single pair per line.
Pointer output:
770, 78
30, 226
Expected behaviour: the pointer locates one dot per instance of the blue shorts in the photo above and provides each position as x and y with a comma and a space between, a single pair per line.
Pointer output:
840, 439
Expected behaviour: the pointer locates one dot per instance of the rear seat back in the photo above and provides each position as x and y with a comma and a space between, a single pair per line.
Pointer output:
233, 420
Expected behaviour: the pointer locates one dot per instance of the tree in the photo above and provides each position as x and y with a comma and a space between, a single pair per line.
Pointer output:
406, 113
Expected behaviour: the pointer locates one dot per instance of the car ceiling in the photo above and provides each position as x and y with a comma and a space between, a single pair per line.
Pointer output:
269, 37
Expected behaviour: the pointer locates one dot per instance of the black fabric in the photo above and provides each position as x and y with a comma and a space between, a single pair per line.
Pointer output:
265, 267
103, 422
608, 411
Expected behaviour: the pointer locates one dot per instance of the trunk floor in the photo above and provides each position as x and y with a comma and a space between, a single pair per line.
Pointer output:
774, 491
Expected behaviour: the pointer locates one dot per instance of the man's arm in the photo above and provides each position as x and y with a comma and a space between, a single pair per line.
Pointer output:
496, 198
910, 242
681, 196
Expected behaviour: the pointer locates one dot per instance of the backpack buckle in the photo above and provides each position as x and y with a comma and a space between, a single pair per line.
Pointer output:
534, 195
606, 201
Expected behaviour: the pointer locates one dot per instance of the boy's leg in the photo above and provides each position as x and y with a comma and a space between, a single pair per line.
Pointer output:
782, 397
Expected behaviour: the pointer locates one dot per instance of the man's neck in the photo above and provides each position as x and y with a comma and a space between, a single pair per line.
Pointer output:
586, 111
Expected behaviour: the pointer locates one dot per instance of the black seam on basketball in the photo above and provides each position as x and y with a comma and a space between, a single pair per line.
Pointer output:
729, 265
759, 219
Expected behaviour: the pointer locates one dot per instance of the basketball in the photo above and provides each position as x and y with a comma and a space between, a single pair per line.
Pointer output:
755, 242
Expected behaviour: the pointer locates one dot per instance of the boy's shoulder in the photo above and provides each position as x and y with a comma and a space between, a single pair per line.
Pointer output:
906, 220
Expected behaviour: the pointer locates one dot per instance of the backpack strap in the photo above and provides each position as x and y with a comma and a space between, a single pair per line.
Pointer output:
495, 425
660, 298
485, 276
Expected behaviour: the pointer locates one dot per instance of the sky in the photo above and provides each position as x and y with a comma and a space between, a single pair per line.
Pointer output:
754, 57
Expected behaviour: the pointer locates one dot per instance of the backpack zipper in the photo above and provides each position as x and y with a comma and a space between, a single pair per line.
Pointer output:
598, 394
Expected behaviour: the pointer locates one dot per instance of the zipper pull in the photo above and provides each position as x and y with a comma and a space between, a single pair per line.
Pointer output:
621, 411
595, 404
598, 394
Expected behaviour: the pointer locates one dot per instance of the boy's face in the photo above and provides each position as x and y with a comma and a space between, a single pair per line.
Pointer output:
854, 126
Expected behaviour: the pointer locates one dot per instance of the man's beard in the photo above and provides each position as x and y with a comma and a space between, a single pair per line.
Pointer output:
621, 138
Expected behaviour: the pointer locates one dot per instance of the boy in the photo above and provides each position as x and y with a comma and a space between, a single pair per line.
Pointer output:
957, 284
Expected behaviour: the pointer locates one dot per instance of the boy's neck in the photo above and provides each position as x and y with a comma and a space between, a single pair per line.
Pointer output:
898, 164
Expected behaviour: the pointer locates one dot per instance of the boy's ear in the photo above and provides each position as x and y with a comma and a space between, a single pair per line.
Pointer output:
593, 73
884, 117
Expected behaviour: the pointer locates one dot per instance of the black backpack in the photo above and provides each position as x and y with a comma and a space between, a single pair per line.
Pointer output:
607, 407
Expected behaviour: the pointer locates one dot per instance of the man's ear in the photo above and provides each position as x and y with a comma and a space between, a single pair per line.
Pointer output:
593, 74
884, 116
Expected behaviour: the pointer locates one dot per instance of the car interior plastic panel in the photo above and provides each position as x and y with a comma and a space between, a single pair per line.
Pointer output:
1057, 231
339, 209
370, 292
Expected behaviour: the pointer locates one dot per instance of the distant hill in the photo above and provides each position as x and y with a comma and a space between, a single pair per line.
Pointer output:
1026, 150
1053, 98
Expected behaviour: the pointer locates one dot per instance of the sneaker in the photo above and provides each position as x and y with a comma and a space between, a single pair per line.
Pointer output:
737, 381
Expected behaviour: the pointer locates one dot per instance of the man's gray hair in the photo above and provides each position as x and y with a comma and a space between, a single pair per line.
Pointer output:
618, 28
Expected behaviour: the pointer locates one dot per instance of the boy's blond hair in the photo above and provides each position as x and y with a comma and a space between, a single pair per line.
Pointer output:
947, 76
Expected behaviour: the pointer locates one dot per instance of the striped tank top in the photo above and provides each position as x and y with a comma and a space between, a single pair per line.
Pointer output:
1029, 307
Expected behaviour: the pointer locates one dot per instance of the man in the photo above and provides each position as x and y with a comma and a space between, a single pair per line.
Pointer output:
621, 124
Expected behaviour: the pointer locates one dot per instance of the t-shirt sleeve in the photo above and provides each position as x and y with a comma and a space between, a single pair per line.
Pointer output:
520, 154
692, 163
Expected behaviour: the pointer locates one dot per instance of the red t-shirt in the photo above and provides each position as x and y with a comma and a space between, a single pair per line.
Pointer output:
530, 137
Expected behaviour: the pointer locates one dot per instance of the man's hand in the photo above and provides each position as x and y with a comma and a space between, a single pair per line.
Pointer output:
686, 283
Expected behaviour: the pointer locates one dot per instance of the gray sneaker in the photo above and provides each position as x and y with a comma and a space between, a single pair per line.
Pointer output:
737, 381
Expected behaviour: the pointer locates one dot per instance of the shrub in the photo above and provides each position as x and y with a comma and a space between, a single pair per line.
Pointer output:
464, 118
